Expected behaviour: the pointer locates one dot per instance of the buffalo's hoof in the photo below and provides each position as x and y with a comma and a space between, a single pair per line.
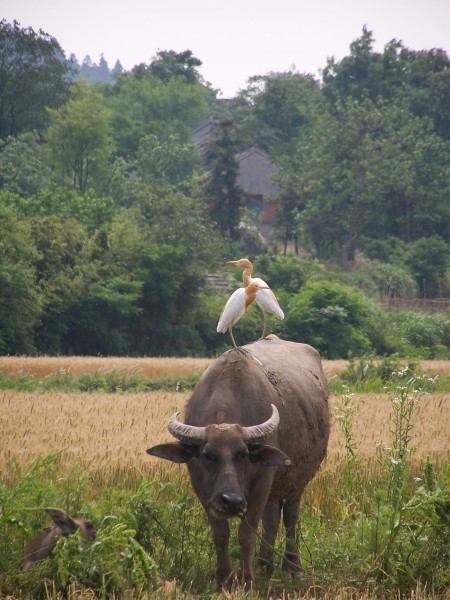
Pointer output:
291, 565
265, 565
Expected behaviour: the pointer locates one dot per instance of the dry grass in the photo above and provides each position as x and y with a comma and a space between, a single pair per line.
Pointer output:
106, 435
170, 591
372, 423
44, 366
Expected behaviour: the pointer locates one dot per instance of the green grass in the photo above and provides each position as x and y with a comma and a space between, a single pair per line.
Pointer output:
374, 375
363, 375
111, 382
156, 528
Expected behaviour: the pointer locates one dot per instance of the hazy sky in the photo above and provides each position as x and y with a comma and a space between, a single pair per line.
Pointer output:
234, 39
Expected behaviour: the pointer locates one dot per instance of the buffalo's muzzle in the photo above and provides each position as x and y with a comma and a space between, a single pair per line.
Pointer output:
232, 503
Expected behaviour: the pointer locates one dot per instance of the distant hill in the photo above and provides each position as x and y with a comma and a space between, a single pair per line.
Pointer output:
93, 72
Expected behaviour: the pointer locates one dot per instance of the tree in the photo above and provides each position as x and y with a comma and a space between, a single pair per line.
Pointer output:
90, 209
103, 74
23, 164
365, 172
168, 257
332, 168
79, 137
93, 73
168, 64
429, 260
33, 75
117, 68
20, 298
364, 73
141, 104
66, 269
419, 80
166, 160
223, 196
274, 108
290, 203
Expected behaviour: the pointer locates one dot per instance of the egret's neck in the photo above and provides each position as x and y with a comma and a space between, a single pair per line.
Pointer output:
247, 275
250, 296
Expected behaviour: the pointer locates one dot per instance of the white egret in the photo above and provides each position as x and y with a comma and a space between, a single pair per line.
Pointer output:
236, 306
265, 298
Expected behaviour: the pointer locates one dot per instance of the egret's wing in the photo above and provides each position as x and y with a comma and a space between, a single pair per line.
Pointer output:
232, 311
259, 281
267, 301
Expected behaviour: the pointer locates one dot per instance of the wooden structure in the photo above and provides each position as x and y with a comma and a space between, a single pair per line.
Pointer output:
255, 171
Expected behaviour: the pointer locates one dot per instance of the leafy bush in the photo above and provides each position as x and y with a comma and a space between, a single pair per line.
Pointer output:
424, 335
287, 272
428, 259
380, 279
368, 374
395, 281
331, 317
112, 564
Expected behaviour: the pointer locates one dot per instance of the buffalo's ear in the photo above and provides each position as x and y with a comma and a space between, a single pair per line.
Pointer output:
178, 452
267, 456
62, 520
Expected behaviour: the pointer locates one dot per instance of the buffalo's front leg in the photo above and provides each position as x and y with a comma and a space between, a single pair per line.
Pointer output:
291, 561
221, 536
247, 540
270, 523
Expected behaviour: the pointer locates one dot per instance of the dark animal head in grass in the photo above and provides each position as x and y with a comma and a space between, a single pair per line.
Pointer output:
43, 545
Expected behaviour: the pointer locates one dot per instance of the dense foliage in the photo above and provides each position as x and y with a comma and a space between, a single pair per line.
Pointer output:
33, 76
110, 217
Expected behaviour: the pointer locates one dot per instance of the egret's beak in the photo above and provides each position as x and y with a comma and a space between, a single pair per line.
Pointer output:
232, 262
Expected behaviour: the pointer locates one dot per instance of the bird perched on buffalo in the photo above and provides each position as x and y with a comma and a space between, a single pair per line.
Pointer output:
236, 306
265, 298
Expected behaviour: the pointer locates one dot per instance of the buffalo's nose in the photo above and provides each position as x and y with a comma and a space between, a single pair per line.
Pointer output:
232, 501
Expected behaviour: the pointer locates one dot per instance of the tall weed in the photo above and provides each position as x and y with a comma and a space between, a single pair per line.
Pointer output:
369, 374
393, 523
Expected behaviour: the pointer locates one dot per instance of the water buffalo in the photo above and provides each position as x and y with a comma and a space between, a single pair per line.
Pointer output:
254, 434
43, 545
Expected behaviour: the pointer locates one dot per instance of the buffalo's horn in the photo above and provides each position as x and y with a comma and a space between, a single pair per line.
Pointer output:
255, 432
197, 435
186, 433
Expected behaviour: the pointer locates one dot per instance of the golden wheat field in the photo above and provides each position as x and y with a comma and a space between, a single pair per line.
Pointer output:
44, 366
106, 435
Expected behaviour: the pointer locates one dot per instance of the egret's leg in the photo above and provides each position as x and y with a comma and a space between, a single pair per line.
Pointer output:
241, 350
232, 338
263, 335
238, 348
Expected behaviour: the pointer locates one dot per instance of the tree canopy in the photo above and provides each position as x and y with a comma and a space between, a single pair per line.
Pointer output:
34, 74
112, 220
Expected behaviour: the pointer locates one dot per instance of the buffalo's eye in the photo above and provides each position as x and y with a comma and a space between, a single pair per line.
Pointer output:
242, 454
210, 456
